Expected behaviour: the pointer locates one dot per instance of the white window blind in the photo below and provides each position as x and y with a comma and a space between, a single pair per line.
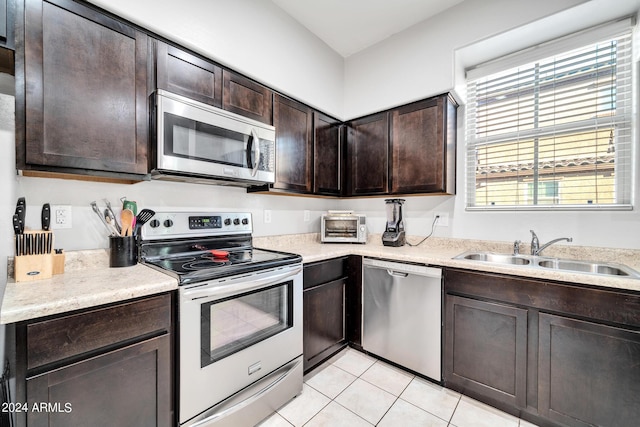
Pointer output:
554, 133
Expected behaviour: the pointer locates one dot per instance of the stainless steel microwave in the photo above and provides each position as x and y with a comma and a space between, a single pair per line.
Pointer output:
343, 227
201, 143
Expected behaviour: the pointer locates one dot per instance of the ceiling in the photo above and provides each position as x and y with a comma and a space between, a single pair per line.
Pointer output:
349, 26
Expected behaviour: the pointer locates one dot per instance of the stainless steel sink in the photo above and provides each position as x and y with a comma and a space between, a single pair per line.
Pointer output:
547, 263
499, 258
608, 269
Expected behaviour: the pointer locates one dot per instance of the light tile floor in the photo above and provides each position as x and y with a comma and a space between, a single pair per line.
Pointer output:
354, 390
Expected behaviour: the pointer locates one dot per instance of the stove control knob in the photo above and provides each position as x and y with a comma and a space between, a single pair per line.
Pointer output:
227, 221
154, 223
236, 221
245, 221
168, 223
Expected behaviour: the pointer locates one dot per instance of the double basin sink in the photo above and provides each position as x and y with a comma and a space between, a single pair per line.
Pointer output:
558, 264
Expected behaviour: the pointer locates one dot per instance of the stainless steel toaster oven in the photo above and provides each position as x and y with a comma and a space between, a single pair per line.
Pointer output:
343, 227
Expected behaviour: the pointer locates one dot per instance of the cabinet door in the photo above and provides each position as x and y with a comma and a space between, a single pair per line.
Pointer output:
187, 75
368, 153
126, 387
85, 88
589, 374
294, 167
419, 147
327, 158
246, 97
486, 349
324, 321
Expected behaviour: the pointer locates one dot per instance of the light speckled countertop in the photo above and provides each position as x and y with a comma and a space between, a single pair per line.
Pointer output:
88, 281
440, 252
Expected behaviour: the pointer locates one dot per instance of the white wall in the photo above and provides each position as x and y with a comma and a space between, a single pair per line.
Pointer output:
419, 61
89, 233
254, 37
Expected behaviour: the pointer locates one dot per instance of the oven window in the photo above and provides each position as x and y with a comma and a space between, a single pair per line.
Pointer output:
341, 227
195, 140
235, 323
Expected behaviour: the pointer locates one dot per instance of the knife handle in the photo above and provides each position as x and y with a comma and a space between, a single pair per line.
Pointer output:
46, 216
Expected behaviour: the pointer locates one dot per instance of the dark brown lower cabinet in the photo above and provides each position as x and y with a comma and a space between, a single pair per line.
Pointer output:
324, 321
324, 309
107, 366
487, 344
125, 387
589, 374
557, 354
332, 308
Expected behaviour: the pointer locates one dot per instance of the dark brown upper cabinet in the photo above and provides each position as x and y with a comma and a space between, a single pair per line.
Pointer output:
423, 147
368, 155
81, 91
185, 74
327, 155
294, 163
246, 97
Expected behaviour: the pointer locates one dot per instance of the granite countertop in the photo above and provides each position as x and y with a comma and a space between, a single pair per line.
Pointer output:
441, 251
88, 281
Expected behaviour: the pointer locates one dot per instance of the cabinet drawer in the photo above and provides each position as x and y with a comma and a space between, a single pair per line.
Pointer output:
324, 271
56, 339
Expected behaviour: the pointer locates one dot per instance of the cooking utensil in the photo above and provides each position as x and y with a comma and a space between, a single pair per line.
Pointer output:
141, 219
111, 221
45, 216
144, 216
112, 215
94, 206
126, 219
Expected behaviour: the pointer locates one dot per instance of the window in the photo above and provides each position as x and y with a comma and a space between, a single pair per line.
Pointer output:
554, 133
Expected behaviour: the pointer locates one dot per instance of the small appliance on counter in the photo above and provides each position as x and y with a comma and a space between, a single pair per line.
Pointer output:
343, 227
394, 231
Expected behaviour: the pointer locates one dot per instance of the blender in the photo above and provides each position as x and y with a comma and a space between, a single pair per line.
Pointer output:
394, 232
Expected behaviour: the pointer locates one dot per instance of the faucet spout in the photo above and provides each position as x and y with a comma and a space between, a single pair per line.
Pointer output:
535, 243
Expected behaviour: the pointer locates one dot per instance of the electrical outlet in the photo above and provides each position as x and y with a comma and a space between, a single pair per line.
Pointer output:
443, 218
267, 216
307, 216
61, 217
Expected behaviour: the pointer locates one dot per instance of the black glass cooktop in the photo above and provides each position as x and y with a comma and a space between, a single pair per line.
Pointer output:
197, 266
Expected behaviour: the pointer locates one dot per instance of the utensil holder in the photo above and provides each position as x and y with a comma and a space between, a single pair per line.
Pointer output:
123, 251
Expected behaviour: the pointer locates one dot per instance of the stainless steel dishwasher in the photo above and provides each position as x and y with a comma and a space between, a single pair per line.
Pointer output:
402, 314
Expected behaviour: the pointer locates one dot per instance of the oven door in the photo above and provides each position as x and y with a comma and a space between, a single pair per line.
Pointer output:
201, 140
234, 332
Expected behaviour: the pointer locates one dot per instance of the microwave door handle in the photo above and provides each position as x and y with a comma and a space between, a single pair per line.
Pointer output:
253, 146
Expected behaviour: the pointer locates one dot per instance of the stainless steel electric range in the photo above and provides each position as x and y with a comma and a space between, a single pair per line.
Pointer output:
239, 316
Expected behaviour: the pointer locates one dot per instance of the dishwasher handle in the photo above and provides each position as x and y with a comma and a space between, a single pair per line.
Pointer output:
395, 273
399, 269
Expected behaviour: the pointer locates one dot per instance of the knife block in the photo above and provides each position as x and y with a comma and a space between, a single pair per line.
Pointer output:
33, 267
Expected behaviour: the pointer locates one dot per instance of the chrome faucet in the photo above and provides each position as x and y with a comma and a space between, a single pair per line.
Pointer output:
535, 243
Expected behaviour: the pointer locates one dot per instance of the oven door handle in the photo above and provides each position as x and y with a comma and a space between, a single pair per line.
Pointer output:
215, 290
